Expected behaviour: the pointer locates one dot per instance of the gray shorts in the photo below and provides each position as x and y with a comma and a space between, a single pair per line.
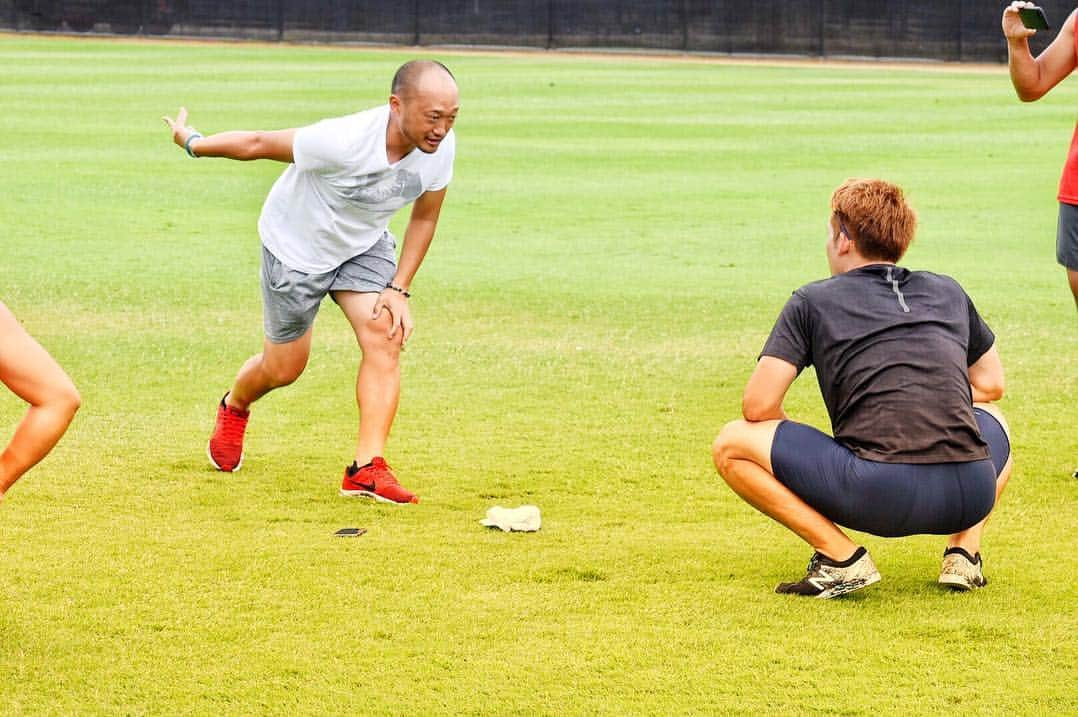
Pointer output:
290, 299
1067, 236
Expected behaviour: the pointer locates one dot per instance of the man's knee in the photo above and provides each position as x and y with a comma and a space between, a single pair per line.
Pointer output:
375, 343
283, 367
282, 375
727, 444
746, 441
69, 400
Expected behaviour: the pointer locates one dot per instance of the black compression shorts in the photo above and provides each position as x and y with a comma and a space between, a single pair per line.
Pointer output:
889, 499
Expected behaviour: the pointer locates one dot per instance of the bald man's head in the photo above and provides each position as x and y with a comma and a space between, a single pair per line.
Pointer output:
411, 74
423, 106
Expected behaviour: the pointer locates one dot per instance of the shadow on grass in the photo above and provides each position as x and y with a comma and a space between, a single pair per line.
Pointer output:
568, 575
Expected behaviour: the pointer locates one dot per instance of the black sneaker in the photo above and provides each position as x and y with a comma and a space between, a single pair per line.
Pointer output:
829, 578
962, 571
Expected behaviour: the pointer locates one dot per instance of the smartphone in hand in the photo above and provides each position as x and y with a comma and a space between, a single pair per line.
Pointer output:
1034, 18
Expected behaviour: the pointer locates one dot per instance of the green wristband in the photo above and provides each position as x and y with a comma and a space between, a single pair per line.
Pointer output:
187, 144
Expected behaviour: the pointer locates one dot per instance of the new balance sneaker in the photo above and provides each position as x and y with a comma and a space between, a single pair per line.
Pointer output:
829, 578
962, 571
375, 480
226, 443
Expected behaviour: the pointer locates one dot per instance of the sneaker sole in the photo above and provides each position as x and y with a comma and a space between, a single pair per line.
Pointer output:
958, 583
214, 463
368, 494
848, 587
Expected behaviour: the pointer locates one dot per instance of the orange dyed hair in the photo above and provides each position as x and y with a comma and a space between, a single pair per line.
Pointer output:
879, 216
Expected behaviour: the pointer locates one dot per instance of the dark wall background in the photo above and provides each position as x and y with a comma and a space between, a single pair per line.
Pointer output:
931, 29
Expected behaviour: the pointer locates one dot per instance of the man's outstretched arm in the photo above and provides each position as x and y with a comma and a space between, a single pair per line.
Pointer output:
767, 387
241, 145
1032, 78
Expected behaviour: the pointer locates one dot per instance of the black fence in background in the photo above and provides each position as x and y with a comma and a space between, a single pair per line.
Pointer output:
961, 30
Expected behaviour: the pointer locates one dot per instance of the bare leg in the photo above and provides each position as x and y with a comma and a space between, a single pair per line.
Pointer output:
278, 365
378, 384
970, 538
35, 377
1072, 277
742, 454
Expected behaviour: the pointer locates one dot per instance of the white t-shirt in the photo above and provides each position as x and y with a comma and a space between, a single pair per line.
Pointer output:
337, 198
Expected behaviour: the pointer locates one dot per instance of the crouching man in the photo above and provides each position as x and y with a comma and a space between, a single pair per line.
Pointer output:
907, 369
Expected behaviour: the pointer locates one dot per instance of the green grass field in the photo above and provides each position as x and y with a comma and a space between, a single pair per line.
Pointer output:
620, 234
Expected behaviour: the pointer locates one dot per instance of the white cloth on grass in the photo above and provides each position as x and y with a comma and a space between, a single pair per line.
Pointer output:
335, 201
524, 519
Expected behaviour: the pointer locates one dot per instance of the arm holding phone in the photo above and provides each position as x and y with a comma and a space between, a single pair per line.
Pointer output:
1034, 77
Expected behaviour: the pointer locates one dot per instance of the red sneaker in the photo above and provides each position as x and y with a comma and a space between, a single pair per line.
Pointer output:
375, 480
226, 443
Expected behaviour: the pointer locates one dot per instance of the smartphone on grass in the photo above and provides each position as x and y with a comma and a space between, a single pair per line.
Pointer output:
1034, 18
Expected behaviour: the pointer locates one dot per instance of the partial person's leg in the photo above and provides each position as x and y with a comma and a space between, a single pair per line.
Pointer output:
290, 301
356, 288
379, 380
742, 454
278, 365
33, 375
377, 393
1067, 245
970, 539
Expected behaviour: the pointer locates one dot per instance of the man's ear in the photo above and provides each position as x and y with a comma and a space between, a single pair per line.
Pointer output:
845, 242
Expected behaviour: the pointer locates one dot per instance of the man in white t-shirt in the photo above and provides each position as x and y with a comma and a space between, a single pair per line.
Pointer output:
324, 231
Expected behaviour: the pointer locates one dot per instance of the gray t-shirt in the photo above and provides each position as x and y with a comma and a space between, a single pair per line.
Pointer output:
335, 201
892, 348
